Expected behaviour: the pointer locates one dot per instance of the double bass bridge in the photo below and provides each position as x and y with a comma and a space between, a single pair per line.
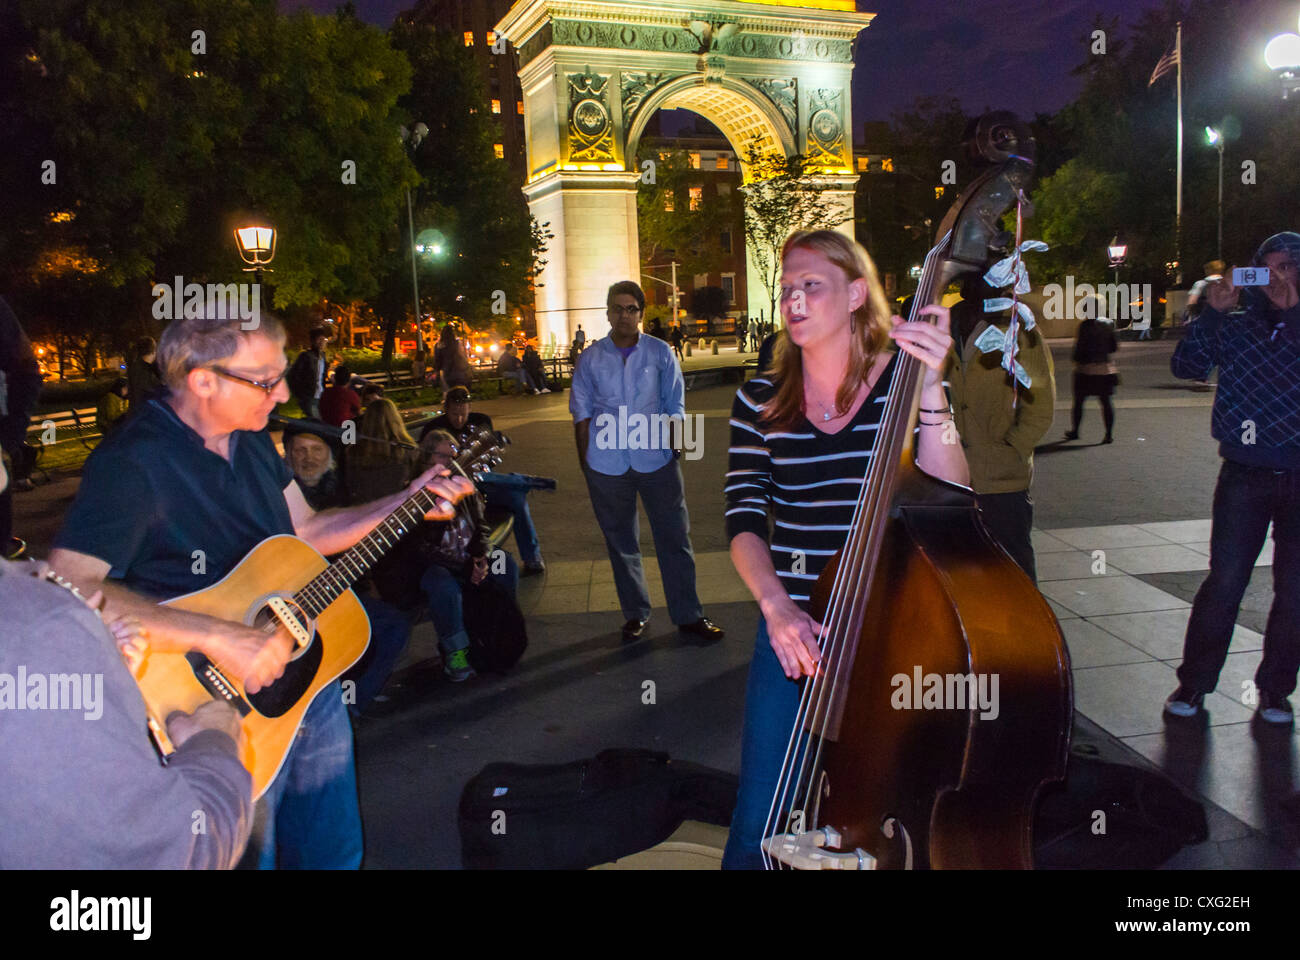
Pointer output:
808, 851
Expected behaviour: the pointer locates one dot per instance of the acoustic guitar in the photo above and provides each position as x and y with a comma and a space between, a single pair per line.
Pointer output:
285, 582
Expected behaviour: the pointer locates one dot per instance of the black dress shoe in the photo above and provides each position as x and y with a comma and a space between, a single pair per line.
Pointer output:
1071, 435
633, 628
704, 628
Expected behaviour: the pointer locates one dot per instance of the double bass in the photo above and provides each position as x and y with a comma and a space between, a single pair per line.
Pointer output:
942, 704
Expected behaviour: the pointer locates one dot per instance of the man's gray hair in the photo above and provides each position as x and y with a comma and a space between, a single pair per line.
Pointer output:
192, 342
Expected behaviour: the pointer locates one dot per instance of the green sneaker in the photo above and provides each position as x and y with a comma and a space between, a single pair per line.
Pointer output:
456, 667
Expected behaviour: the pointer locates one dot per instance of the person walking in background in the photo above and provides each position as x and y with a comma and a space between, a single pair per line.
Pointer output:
675, 337
1095, 374
1256, 420
307, 375
142, 374
624, 375
20, 386
579, 339
999, 420
450, 362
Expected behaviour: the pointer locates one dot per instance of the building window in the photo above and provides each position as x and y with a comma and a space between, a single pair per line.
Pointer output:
669, 205
519, 107
701, 280
724, 189
697, 196
722, 163
499, 150
729, 287
887, 165
724, 239
863, 164
938, 192
695, 161
469, 38
492, 38
496, 106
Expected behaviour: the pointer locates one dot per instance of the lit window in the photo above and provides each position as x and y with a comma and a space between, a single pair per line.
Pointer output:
519, 107
695, 161
668, 203
499, 150
862, 164
938, 192
697, 197
887, 165
492, 38
722, 162
469, 38
496, 106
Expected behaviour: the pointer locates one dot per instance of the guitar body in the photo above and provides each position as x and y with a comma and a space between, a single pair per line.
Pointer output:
277, 568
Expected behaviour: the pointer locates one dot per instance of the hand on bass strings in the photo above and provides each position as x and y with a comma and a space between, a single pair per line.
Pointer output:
793, 635
928, 342
448, 489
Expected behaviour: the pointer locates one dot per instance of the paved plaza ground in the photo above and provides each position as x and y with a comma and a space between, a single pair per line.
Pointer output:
1144, 500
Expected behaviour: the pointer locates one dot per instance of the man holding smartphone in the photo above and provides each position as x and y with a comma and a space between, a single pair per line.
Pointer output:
1253, 335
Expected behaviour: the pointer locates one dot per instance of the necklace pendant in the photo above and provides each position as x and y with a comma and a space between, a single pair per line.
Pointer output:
826, 416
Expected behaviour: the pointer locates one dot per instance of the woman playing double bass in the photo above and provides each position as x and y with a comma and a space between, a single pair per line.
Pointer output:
801, 439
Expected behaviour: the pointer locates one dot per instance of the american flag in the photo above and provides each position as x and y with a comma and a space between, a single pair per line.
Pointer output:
1167, 63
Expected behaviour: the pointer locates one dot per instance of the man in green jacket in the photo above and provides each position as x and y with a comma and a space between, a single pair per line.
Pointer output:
999, 426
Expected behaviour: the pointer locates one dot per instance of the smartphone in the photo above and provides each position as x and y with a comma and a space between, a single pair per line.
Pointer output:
1250, 276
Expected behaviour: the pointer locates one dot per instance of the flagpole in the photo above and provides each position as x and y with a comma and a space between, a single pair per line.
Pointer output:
1178, 207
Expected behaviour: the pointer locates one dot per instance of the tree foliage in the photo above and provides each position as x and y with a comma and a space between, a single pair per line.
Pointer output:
692, 237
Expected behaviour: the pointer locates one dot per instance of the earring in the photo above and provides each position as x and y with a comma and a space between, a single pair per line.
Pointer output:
853, 325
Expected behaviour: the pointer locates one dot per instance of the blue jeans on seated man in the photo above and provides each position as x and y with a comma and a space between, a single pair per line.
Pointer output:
516, 501
1245, 500
442, 588
771, 704
390, 628
310, 818
523, 377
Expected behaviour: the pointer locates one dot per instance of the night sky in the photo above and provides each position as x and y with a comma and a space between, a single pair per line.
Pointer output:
1000, 54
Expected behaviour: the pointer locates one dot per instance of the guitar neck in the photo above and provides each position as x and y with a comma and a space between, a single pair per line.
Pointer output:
355, 562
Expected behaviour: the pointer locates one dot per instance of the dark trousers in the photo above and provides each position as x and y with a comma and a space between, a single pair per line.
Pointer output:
1245, 500
614, 501
1107, 413
1010, 517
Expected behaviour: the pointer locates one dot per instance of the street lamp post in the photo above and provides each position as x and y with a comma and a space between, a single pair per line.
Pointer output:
413, 138
256, 243
1283, 57
1216, 139
1117, 252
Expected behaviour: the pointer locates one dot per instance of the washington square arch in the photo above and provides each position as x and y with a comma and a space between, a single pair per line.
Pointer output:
593, 72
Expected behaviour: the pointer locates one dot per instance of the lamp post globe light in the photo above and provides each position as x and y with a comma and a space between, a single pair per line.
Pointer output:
256, 244
1283, 57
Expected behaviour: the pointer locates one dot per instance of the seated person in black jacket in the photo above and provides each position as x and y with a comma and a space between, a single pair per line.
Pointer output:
312, 460
437, 561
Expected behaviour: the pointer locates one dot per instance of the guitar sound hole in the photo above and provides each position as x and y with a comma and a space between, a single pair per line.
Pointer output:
279, 697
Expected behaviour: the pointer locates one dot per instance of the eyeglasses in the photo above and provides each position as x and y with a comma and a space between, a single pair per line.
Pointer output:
267, 387
617, 310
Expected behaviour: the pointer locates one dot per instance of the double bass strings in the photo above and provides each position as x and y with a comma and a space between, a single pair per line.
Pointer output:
836, 627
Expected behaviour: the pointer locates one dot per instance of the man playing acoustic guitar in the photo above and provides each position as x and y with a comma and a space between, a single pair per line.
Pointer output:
173, 501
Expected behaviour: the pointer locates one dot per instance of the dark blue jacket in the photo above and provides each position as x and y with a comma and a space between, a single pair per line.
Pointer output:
1257, 351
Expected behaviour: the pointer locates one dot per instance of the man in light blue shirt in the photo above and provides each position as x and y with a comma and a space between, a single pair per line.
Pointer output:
627, 399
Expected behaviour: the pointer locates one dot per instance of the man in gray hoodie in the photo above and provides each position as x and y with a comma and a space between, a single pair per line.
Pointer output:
85, 788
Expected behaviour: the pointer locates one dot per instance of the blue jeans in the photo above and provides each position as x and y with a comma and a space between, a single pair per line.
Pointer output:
442, 589
1245, 500
310, 818
389, 631
523, 377
771, 704
516, 501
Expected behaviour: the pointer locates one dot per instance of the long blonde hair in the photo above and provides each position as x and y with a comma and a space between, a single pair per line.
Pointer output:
382, 421
869, 338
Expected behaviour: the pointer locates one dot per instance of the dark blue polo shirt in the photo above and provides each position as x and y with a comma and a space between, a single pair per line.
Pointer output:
152, 494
